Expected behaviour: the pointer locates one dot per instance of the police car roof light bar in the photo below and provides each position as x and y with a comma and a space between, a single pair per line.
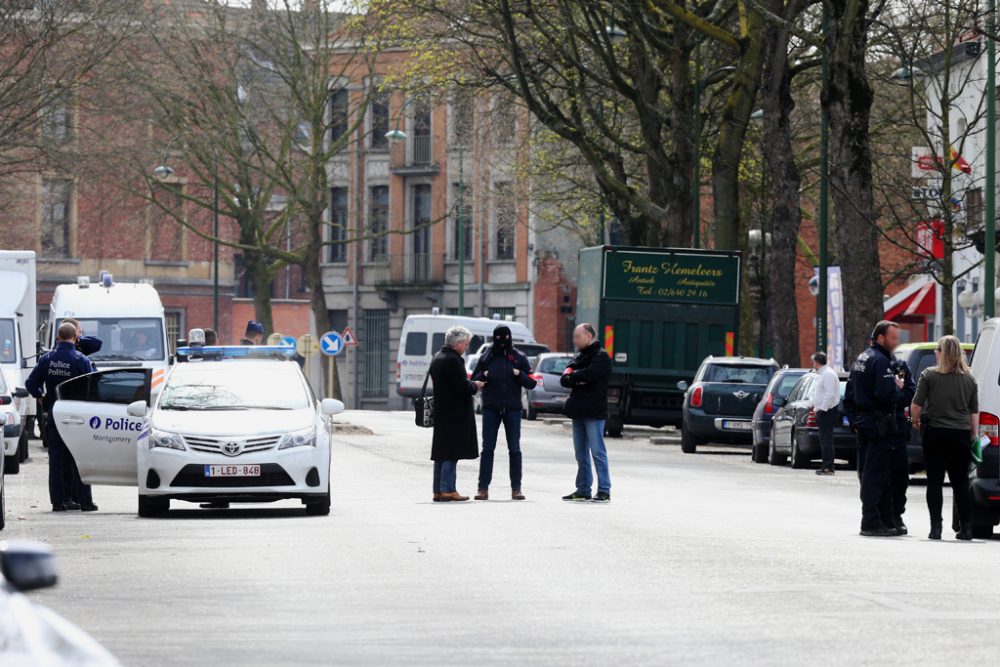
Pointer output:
236, 352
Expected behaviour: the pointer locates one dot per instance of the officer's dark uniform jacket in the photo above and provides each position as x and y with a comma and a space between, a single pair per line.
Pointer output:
55, 367
870, 399
503, 389
903, 399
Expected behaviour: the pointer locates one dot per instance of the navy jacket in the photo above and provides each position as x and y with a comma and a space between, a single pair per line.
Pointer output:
55, 367
503, 388
871, 389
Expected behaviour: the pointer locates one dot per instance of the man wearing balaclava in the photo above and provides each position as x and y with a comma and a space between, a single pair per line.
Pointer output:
506, 372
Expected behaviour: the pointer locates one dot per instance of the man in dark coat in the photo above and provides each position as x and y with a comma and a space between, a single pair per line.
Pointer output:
587, 378
506, 372
454, 416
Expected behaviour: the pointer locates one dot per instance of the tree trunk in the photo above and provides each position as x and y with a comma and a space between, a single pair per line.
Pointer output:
732, 130
848, 101
317, 296
261, 277
786, 214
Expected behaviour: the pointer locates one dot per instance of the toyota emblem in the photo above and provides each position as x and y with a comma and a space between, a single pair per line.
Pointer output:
232, 448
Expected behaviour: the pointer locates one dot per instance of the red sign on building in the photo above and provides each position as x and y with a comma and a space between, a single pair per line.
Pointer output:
930, 238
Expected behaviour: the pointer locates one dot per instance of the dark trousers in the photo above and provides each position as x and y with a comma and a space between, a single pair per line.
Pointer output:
874, 466
64, 478
826, 421
899, 472
946, 450
511, 420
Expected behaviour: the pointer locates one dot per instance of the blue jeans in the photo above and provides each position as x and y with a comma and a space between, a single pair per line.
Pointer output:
511, 420
588, 441
445, 476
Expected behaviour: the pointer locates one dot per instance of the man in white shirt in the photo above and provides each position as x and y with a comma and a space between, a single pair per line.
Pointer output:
826, 403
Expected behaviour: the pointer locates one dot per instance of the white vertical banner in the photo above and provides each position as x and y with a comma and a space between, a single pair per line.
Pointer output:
835, 317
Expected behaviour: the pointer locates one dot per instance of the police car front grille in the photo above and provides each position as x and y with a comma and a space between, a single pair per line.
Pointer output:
215, 445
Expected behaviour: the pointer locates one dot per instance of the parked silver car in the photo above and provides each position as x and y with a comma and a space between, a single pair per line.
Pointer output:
548, 395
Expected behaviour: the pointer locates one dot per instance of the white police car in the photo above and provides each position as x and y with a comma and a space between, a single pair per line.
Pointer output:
232, 424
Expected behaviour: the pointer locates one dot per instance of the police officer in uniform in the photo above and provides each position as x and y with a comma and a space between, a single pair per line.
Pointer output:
54, 368
899, 463
872, 393
254, 333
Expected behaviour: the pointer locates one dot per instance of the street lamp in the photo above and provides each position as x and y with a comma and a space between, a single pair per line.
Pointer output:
397, 134
164, 171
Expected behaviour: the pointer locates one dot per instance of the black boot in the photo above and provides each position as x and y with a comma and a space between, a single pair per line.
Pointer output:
935, 530
900, 527
964, 533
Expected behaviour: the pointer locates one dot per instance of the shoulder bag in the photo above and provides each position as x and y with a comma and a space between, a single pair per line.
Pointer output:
424, 406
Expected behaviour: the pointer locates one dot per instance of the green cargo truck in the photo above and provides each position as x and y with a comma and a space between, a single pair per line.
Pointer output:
659, 312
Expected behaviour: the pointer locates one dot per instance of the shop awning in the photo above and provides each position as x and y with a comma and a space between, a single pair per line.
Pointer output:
918, 298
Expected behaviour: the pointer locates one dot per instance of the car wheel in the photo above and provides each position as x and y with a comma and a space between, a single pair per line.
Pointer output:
22, 447
531, 414
689, 443
773, 457
759, 454
982, 532
320, 506
12, 464
3, 504
799, 461
614, 427
151, 506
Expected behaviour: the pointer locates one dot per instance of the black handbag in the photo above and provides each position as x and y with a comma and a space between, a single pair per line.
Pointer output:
424, 406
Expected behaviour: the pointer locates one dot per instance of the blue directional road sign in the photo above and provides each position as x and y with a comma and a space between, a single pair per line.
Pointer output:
331, 343
289, 341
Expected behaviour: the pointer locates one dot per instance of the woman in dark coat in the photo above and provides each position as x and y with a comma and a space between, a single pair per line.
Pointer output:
454, 417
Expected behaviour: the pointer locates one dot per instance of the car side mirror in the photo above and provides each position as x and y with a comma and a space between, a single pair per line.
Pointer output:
331, 406
778, 402
137, 409
21, 392
27, 566
682, 385
5, 399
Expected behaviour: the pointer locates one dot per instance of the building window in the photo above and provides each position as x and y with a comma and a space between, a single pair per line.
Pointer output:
244, 285
504, 120
421, 236
462, 117
175, 327
470, 311
57, 116
379, 120
375, 354
505, 211
462, 221
378, 224
57, 198
974, 208
166, 232
339, 112
337, 250
422, 151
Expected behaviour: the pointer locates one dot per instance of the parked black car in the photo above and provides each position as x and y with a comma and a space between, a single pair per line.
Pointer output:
719, 403
779, 388
794, 433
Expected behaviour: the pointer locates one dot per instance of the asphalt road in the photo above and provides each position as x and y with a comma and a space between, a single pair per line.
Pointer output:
700, 559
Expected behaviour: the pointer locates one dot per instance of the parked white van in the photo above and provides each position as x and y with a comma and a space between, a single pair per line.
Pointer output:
423, 336
985, 477
127, 317
18, 345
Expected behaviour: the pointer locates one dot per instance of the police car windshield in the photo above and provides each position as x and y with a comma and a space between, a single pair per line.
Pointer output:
235, 385
126, 339
7, 352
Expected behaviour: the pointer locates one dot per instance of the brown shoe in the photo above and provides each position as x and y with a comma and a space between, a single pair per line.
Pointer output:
452, 497
483, 495
437, 497
516, 495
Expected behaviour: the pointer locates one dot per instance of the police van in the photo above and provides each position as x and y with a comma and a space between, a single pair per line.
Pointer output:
423, 336
127, 317
18, 345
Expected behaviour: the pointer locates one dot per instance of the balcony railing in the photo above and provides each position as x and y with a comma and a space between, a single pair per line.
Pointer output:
413, 270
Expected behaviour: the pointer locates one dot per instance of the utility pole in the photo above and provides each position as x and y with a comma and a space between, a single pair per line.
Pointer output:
824, 211
990, 232
461, 228
696, 156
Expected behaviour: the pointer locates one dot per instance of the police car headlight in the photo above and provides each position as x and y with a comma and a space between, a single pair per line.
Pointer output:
165, 439
303, 438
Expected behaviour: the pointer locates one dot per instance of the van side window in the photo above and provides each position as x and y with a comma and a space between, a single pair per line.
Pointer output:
416, 344
437, 342
475, 344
